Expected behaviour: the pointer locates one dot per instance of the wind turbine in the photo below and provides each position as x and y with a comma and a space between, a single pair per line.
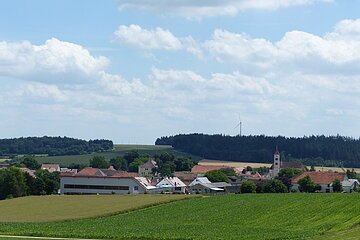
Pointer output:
239, 125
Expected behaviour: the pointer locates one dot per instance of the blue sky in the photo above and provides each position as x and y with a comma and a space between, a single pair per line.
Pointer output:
132, 71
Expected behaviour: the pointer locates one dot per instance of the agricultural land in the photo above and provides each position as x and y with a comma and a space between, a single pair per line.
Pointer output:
119, 150
241, 216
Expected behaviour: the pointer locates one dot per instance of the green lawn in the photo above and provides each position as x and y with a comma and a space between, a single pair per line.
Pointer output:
254, 216
119, 150
62, 207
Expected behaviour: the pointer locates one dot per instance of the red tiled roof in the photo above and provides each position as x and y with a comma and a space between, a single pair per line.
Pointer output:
125, 174
205, 169
320, 177
91, 172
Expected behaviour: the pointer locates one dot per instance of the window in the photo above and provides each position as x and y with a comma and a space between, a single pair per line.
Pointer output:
177, 188
136, 188
101, 187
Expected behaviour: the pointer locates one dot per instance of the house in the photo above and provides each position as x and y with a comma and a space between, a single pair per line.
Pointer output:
51, 167
186, 177
323, 179
204, 187
171, 184
28, 171
101, 181
350, 185
146, 169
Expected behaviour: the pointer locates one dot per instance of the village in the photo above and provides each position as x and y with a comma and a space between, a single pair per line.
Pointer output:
146, 181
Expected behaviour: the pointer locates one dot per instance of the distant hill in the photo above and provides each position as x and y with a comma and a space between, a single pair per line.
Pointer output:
52, 146
332, 151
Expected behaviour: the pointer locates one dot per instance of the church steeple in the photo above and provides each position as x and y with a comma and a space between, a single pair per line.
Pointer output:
277, 162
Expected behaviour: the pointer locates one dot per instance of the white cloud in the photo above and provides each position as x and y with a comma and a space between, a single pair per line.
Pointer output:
119, 86
158, 38
155, 39
335, 52
53, 61
208, 8
43, 91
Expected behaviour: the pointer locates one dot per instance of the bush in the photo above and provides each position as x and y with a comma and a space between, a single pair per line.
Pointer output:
248, 187
274, 186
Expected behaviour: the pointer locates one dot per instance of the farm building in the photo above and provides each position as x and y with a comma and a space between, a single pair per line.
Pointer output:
203, 187
102, 181
324, 179
171, 184
350, 185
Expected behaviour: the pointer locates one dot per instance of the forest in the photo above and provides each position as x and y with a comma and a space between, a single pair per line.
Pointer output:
332, 151
52, 146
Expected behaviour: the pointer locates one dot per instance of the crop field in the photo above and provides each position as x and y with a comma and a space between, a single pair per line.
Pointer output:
119, 150
55, 208
253, 216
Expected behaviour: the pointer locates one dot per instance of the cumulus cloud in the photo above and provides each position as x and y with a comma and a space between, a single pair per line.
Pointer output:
158, 38
335, 52
209, 8
155, 39
55, 60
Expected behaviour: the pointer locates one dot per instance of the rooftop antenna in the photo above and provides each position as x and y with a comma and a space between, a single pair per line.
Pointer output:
239, 125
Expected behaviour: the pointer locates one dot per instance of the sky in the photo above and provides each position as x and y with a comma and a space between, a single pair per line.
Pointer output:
135, 70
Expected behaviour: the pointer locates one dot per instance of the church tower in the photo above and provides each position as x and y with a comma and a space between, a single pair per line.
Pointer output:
277, 163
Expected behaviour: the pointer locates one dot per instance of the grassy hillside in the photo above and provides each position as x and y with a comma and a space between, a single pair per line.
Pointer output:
119, 150
54, 208
261, 216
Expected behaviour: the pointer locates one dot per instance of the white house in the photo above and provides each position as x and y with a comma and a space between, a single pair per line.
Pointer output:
171, 184
101, 181
350, 185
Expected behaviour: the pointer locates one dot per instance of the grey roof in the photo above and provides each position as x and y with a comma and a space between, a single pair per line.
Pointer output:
149, 164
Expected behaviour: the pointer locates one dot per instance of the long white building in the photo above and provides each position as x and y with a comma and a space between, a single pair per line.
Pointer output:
102, 181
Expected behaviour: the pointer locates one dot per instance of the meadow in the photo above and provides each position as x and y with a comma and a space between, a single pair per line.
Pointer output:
253, 216
119, 150
63, 207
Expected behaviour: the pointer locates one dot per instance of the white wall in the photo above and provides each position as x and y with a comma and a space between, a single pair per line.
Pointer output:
129, 182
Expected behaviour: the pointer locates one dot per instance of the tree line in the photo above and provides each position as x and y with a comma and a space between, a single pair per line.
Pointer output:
167, 163
320, 150
17, 183
53, 146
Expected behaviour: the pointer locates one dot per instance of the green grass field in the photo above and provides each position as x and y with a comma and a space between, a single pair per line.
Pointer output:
119, 150
256, 216
62, 207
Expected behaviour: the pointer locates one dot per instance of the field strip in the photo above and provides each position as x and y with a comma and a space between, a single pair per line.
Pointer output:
48, 238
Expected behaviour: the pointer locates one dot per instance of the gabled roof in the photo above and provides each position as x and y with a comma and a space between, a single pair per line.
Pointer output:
350, 182
320, 177
171, 182
199, 180
186, 177
205, 169
213, 186
149, 164
51, 167
28, 171
89, 171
